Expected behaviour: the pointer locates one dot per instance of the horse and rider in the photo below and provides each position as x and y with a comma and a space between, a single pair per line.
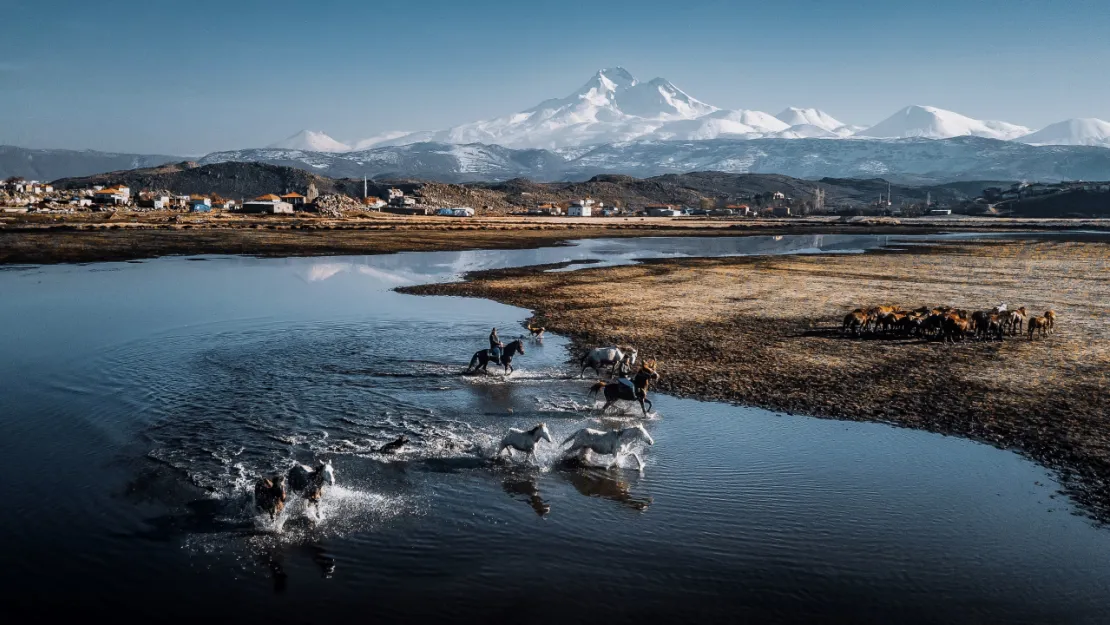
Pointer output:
498, 353
624, 388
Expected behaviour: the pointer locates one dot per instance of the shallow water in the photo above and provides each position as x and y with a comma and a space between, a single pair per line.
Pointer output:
140, 401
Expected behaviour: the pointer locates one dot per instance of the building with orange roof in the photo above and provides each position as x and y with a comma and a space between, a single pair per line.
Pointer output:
296, 199
269, 197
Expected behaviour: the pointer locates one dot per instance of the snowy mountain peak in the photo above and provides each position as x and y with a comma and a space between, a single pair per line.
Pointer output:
931, 122
619, 77
311, 141
794, 116
1081, 131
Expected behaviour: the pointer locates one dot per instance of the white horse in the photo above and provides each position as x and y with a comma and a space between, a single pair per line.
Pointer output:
308, 482
609, 443
525, 440
599, 357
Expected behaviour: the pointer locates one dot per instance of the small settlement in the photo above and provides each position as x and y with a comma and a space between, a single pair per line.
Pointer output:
20, 195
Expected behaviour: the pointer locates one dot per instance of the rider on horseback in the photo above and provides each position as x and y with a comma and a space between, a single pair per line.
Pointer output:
624, 369
495, 346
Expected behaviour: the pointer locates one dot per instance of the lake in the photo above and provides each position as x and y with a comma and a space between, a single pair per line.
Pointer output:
140, 401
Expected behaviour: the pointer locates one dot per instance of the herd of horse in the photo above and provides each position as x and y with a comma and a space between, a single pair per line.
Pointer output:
272, 492
948, 324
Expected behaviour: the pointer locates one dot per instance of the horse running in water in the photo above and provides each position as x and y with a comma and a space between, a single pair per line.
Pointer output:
524, 440
609, 443
269, 495
604, 356
309, 482
394, 445
537, 333
635, 391
482, 358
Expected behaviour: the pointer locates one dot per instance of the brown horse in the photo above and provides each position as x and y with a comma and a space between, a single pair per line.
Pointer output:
1038, 324
536, 332
855, 321
955, 327
1050, 316
635, 391
269, 495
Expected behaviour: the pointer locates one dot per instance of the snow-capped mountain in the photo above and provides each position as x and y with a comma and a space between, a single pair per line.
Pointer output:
1087, 131
930, 122
615, 108
383, 139
312, 141
611, 106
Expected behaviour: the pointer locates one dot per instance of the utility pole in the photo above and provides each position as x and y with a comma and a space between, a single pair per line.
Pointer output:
364, 196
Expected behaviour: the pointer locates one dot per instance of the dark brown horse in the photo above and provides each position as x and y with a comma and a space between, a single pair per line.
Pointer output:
269, 495
636, 391
482, 358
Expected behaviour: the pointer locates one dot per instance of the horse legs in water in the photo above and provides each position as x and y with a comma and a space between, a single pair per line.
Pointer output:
608, 402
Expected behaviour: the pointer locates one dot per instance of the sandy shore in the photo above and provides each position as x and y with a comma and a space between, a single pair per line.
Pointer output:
763, 331
91, 237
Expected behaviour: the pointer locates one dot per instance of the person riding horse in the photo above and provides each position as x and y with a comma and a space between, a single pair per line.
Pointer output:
495, 346
624, 369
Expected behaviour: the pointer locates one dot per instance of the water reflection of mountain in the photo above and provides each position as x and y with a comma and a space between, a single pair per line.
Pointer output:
392, 270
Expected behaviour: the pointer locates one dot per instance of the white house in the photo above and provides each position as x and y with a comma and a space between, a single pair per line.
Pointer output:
581, 208
271, 207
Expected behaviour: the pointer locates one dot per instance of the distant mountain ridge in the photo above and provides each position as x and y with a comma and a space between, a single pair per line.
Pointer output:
34, 164
915, 160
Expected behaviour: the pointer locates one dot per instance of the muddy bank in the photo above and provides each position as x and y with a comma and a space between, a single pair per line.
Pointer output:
763, 331
95, 237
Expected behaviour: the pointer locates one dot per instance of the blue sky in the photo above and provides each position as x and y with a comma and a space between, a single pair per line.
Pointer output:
189, 77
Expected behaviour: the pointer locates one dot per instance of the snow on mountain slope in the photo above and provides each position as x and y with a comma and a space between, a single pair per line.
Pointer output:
932, 123
1087, 131
913, 159
385, 138
742, 124
312, 141
794, 116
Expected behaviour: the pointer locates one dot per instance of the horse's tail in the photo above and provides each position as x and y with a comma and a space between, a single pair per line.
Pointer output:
585, 357
473, 361
597, 388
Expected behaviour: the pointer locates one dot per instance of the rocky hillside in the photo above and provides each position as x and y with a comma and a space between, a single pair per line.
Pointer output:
245, 180
232, 180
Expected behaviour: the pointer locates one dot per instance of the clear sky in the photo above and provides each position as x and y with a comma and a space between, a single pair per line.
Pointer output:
187, 77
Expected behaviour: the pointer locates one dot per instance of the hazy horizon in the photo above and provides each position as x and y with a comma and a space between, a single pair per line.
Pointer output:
191, 79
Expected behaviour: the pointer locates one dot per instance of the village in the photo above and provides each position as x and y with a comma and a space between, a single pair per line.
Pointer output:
18, 195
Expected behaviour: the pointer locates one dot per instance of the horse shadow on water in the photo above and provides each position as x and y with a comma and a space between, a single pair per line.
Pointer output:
273, 558
586, 479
